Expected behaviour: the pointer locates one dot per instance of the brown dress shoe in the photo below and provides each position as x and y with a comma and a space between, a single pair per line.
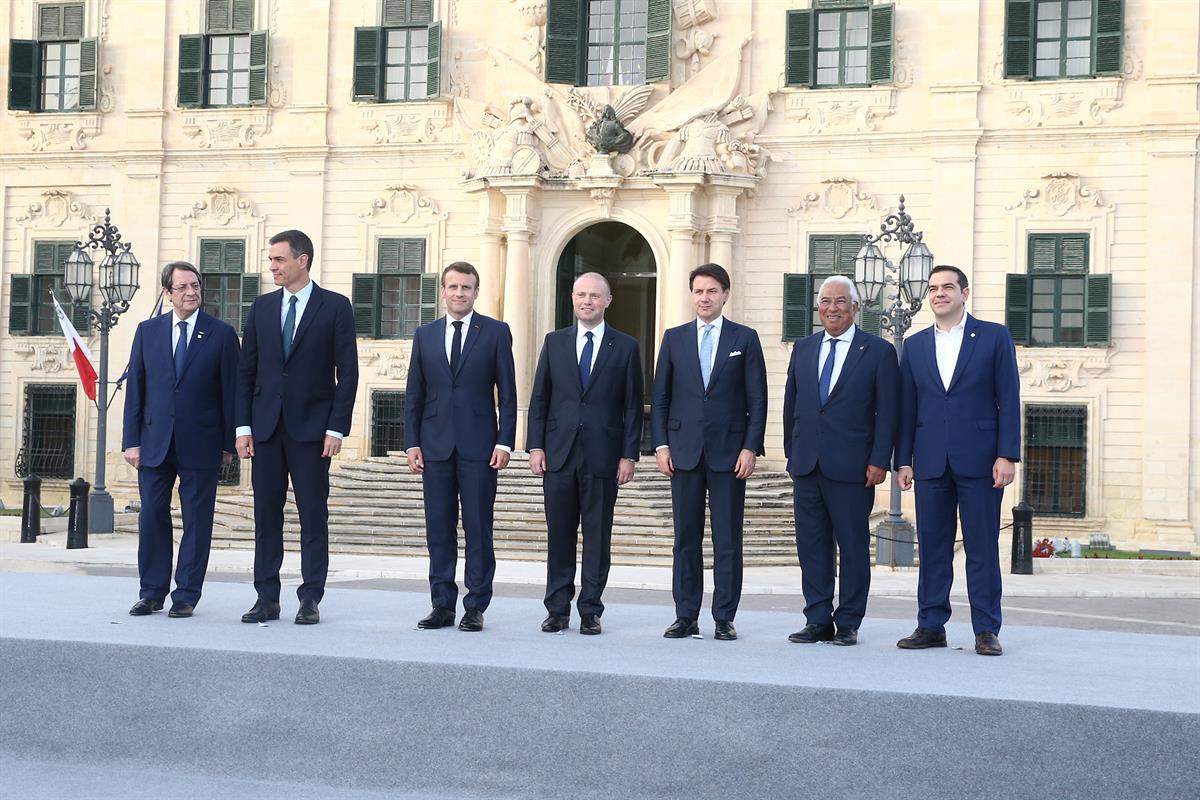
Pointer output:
986, 644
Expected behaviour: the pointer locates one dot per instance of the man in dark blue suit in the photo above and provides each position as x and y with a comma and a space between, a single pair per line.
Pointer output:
295, 396
708, 414
959, 437
459, 365
585, 428
839, 428
178, 424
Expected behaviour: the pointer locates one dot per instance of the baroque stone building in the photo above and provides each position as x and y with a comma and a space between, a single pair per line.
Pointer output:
1048, 147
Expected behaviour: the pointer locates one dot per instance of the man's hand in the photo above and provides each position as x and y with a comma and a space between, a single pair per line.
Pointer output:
875, 475
416, 461
133, 457
624, 471
1002, 473
537, 462
226, 457
499, 459
245, 446
665, 465
744, 467
333, 446
904, 477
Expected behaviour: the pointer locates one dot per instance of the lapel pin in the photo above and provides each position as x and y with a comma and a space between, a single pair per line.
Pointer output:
199, 334
972, 334
862, 347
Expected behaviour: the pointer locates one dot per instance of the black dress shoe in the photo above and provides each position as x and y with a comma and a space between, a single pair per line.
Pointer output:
725, 631
682, 628
846, 637
986, 644
810, 634
438, 618
589, 625
922, 639
308, 614
554, 623
472, 620
145, 607
181, 610
263, 610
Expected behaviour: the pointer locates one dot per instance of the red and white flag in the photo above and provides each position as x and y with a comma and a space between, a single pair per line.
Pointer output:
79, 352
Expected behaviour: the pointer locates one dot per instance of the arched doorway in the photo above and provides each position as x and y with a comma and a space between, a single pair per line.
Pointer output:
623, 256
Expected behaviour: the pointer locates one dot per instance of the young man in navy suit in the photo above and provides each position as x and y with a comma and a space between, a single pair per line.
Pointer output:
959, 437
709, 413
585, 429
839, 428
459, 366
296, 385
178, 424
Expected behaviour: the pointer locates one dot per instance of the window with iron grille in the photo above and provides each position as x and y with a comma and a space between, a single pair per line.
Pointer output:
48, 432
387, 422
1055, 462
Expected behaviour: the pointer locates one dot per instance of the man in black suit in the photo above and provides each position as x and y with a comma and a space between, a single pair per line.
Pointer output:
459, 365
839, 428
295, 396
709, 413
178, 423
585, 428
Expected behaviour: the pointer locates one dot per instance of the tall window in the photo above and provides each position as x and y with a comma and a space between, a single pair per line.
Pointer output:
1055, 39
1055, 463
828, 254
616, 49
227, 64
387, 423
56, 71
400, 60
391, 302
48, 432
31, 309
229, 70
840, 46
1058, 303
228, 289
608, 42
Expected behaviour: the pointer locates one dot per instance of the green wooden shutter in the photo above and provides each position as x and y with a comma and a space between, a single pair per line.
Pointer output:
72, 21
242, 20
192, 81
258, 68
234, 257
80, 317
250, 289
565, 23
1018, 39
49, 22
368, 63
1073, 253
364, 296
869, 318
395, 12
60, 22
420, 11
1098, 321
429, 297
211, 255
823, 255
797, 306
388, 256
1108, 19
218, 16
24, 64
20, 304
45, 255
799, 68
433, 73
882, 43
658, 40
412, 256
89, 50
1016, 307
60, 252
1043, 253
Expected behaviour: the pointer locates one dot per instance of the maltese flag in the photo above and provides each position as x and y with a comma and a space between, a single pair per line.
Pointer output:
79, 351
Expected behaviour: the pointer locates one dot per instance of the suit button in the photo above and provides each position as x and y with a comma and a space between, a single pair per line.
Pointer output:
579, 427
285, 374
706, 399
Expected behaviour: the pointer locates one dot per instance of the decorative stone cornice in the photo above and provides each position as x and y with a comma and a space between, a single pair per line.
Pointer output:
836, 110
216, 128
1062, 369
1060, 194
55, 209
839, 197
388, 362
402, 203
221, 207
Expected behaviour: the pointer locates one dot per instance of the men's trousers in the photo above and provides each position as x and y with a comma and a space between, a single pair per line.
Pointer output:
446, 483
726, 505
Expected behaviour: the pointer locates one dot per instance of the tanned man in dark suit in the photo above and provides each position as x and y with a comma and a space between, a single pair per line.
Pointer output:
585, 428
839, 428
178, 424
460, 365
295, 397
709, 414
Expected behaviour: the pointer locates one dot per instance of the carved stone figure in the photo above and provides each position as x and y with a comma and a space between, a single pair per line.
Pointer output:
608, 135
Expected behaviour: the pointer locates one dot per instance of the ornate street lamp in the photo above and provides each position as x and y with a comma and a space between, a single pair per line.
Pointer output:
872, 272
118, 284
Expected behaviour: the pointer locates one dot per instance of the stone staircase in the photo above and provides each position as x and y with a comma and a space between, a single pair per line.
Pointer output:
376, 507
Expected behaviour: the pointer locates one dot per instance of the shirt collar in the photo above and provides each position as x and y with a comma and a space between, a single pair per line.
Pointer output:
466, 321
597, 332
175, 319
846, 335
961, 326
716, 323
301, 296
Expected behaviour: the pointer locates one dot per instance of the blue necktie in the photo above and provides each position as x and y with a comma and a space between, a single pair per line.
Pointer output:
827, 371
585, 361
289, 327
181, 350
706, 346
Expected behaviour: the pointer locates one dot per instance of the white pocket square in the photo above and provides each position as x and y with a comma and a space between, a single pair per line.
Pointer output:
735, 353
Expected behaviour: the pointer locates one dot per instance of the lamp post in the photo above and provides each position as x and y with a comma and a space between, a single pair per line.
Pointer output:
118, 283
873, 272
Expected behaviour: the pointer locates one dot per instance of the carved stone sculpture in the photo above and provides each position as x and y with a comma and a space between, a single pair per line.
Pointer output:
608, 135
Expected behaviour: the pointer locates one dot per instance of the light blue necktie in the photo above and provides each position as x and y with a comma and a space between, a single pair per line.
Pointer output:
706, 346
289, 327
827, 371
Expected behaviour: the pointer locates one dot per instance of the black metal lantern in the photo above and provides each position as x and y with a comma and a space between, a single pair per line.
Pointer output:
78, 275
122, 280
915, 267
870, 272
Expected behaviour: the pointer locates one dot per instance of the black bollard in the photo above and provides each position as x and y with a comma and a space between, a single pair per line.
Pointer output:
77, 526
1022, 548
31, 510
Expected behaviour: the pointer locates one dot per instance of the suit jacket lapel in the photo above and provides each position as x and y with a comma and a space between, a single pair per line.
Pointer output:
725, 346
438, 331
568, 346
469, 343
691, 352
199, 335
858, 346
931, 358
965, 352
812, 363
162, 351
311, 310
601, 357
